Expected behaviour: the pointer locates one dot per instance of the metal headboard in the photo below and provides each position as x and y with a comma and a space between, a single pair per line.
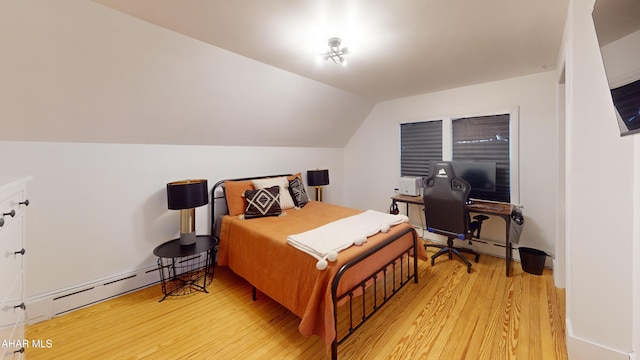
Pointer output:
218, 210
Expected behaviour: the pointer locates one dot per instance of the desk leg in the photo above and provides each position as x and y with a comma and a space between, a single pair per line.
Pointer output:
406, 206
509, 247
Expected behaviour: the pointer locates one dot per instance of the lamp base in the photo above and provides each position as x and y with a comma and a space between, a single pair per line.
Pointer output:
187, 226
188, 239
318, 193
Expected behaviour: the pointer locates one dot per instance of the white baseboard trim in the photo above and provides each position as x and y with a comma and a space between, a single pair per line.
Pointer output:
558, 277
44, 307
578, 348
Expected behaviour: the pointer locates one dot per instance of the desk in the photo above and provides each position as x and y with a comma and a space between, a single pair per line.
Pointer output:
477, 206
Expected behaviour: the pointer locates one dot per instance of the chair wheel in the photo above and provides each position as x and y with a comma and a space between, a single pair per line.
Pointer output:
433, 261
469, 269
477, 258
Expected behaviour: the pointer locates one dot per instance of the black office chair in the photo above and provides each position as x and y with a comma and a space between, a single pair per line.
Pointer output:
445, 205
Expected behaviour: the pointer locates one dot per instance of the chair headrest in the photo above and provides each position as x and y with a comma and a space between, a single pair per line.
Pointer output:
443, 170
443, 176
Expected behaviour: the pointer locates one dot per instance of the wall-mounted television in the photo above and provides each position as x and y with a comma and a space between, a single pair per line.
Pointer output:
617, 24
626, 99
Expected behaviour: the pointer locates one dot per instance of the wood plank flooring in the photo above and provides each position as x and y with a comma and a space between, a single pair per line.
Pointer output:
448, 315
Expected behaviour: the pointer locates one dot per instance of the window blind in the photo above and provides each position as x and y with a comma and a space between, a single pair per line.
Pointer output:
485, 138
420, 143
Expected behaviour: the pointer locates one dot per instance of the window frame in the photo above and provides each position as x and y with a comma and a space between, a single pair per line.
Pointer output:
514, 142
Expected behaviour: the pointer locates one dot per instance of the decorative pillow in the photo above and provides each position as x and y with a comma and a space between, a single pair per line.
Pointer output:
234, 192
291, 177
298, 192
286, 202
263, 202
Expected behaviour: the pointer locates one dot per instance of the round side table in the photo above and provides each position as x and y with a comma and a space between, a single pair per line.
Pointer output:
186, 268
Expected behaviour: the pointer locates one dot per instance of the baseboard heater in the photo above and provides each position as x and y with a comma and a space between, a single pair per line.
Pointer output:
47, 306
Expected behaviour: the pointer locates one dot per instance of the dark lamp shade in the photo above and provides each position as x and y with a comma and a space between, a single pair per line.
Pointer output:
187, 194
317, 177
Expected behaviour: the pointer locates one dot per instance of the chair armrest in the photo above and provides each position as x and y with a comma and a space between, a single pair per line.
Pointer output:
478, 225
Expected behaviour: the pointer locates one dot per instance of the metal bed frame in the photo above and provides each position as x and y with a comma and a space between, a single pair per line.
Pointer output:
373, 296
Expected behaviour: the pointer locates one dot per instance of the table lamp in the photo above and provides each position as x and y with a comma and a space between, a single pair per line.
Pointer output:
318, 178
186, 195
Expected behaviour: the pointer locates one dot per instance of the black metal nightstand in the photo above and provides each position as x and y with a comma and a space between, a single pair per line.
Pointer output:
186, 268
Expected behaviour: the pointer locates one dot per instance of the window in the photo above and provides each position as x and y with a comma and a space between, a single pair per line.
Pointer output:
485, 138
488, 138
420, 143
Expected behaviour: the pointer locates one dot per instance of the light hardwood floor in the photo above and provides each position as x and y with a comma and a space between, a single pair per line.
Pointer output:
449, 314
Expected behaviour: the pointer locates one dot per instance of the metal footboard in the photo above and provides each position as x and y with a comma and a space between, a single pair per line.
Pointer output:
398, 272
366, 298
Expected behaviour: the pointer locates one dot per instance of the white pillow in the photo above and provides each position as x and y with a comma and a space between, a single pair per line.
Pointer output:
286, 201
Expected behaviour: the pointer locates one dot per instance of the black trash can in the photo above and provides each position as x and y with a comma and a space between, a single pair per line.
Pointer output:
532, 260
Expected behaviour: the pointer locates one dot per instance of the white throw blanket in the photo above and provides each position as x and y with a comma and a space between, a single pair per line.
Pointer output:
326, 241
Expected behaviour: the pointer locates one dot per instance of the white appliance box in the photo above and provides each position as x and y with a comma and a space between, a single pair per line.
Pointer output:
411, 185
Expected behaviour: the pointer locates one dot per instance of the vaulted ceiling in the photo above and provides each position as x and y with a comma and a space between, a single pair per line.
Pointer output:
398, 48
245, 72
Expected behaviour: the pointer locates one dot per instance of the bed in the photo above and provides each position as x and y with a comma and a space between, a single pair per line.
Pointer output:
362, 278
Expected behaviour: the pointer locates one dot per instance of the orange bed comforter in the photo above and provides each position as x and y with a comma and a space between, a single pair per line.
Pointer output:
257, 250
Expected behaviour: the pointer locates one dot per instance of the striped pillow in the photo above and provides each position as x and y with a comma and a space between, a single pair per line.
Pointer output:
298, 192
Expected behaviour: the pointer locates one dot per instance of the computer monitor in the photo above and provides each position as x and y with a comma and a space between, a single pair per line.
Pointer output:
481, 175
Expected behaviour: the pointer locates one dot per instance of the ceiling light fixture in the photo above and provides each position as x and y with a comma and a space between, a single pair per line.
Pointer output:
335, 52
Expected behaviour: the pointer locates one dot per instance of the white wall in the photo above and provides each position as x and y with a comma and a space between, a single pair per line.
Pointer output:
77, 78
372, 156
559, 261
99, 210
76, 71
600, 211
635, 296
621, 63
